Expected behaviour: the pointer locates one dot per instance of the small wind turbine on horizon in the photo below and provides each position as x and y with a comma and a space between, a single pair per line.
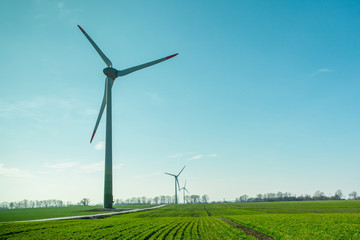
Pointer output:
177, 185
111, 74
184, 189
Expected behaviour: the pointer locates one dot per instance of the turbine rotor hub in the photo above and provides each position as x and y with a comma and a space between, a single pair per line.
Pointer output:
111, 72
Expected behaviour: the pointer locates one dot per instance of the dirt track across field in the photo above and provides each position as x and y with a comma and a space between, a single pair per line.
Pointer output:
248, 230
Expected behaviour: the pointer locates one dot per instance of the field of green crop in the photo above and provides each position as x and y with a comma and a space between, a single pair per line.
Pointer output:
305, 226
21, 214
120, 227
280, 220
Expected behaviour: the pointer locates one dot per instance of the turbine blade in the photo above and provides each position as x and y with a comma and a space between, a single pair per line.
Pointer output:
145, 65
181, 171
103, 104
170, 174
102, 55
187, 191
177, 183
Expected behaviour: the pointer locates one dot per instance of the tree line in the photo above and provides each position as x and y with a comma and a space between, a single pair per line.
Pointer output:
35, 204
191, 199
163, 199
42, 203
279, 196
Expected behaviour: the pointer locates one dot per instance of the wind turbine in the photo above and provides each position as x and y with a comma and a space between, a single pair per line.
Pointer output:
176, 183
111, 74
184, 189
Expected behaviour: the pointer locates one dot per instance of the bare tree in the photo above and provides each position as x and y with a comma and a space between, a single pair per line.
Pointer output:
205, 198
319, 195
259, 197
156, 200
338, 195
85, 201
169, 199
353, 195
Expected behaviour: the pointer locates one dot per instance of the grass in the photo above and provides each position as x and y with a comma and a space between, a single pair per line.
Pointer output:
22, 214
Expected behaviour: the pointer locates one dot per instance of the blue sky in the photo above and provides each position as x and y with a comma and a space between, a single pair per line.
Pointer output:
263, 97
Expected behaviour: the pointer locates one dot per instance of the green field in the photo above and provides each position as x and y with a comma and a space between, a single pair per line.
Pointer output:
21, 214
280, 220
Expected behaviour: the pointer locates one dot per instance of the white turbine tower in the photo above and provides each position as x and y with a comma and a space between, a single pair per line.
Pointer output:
184, 189
176, 183
111, 74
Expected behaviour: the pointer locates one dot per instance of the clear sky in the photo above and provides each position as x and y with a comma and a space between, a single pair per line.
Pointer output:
263, 97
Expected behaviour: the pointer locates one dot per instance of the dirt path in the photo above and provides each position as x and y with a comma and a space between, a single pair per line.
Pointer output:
208, 213
248, 230
94, 216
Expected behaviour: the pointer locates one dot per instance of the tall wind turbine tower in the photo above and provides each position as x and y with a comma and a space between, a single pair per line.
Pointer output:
111, 74
184, 189
177, 185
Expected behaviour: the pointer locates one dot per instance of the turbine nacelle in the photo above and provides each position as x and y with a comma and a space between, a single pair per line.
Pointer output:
111, 72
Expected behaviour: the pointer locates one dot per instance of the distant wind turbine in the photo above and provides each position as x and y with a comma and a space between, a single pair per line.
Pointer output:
111, 74
184, 189
177, 185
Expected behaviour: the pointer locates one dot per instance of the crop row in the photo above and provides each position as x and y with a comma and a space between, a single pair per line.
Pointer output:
124, 228
304, 226
284, 207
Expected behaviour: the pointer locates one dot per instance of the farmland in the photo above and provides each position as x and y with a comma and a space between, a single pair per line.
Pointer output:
22, 214
280, 220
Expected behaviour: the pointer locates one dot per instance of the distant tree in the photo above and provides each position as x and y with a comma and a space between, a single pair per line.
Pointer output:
205, 198
269, 197
25, 203
169, 199
353, 195
85, 201
195, 199
243, 198
156, 200
337, 196
319, 195
4, 205
59, 203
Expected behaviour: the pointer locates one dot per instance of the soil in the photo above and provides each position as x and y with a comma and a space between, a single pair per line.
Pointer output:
247, 230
